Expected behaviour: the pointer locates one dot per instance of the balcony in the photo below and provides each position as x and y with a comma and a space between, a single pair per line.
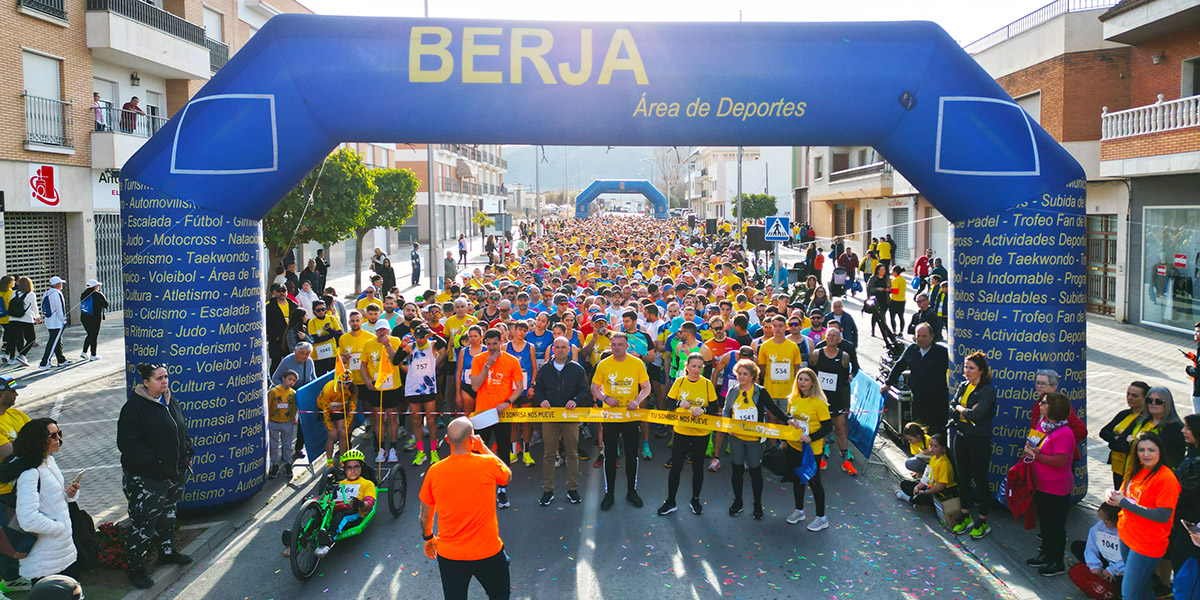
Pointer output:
54, 11
1157, 139
1135, 23
1034, 20
142, 37
218, 54
118, 134
48, 125
863, 171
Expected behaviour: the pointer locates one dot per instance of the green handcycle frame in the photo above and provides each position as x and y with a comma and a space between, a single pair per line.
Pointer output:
316, 515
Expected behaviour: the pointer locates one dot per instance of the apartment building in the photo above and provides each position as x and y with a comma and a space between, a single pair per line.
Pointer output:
71, 69
712, 172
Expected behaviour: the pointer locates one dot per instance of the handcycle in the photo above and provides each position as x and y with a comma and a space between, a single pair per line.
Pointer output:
316, 517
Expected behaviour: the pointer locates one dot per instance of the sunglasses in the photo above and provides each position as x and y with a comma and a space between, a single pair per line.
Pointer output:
794, 324
57, 435
1155, 401
348, 467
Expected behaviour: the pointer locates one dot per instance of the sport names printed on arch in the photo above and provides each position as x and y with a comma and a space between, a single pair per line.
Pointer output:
1020, 298
193, 304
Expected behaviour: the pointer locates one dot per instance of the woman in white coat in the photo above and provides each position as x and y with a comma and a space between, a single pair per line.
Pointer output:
42, 498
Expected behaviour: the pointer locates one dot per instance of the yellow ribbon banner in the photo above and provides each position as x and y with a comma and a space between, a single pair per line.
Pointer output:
605, 415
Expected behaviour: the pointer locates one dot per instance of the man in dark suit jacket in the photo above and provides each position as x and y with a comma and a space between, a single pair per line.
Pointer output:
926, 313
927, 364
849, 328
279, 310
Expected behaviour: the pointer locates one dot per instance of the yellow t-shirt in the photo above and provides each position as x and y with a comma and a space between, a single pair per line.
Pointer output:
286, 308
454, 329
281, 404
5, 297
11, 422
885, 250
730, 279
915, 449
809, 412
367, 301
780, 361
373, 354
744, 409
963, 401
602, 344
316, 327
621, 380
443, 298
361, 488
899, 285
699, 393
939, 471
354, 345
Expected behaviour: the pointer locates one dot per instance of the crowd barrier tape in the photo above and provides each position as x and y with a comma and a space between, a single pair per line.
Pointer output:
662, 417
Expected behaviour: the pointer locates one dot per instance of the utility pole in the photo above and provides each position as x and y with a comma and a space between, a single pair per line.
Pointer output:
537, 187
740, 238
431, 181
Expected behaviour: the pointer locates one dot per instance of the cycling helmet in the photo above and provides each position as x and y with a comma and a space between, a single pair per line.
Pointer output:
353, 455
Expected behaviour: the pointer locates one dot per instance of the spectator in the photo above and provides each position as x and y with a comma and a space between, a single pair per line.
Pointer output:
42, 497
289, 273
489, 246
56, 587
450, 267
1160, 417
925, 313
1051, 445
6, 293
281, 411
1147, 499
1100, 553
939, 270
278, 313
12, 420
1191, 369
887, 250
879, 288
921, 270
927, 364
848, 260
377, 259
560, 383
918, 448
129, 115
896, 305
1188, 507
280, 277
156, 453
92, 305
937, 478
335, 306
306, 296
54, 310
322, 269
462, 249
849, 328
297, 332
457, 492
1045, 381
974, 405
415, 256
98, 109
299, 361
1119, 431
388, 273
311, 275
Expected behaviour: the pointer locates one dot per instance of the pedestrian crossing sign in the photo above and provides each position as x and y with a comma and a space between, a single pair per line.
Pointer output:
778, 229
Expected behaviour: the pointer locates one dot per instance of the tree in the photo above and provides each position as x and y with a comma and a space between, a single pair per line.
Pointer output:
482, 220
756, 206
340, 193
389, 207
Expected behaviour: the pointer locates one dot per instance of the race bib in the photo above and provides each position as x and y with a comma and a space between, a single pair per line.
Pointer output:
355, 361
324, 351
745, 414
350, 490
1035, 438
803, 426
387, 384
927, 476
420, 368
827, 381
1110, 546
781, 371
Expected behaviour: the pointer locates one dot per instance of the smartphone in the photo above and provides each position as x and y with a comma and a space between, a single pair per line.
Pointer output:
79, 477
1190, 527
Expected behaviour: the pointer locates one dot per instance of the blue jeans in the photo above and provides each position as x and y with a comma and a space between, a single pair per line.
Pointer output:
1138, 569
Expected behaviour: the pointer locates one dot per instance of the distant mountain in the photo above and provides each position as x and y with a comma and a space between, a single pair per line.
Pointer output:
577, 166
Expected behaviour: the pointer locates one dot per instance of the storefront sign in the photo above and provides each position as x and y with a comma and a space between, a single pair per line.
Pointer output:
1181, 261
1161, 270
43, 189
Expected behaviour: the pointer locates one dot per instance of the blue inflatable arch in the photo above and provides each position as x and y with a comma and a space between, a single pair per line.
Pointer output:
620, 186
193, 195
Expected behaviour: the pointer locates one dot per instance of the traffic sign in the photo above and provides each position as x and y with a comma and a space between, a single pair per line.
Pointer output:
778, 229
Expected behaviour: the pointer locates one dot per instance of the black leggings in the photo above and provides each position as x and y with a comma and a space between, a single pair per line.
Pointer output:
92, 326
756, 482
20, 337
973, 454
502, 432
818, 490
896, 314
909, 487
1050, 511
687, 447
614, 434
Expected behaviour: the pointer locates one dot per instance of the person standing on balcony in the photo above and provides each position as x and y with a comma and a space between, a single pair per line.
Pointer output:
98, 107
129, 115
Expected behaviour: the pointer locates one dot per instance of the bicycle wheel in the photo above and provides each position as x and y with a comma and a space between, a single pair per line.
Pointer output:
397, 490
304, 557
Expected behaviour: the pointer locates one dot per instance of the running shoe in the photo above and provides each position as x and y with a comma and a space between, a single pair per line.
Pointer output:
573, 497
20, 584
599, 461
634, 498
981, 529
714, 465
547, 498
433, 457
646, 454
535, 439
1053, 569
607, 502
696, 507
901, 495
963, 526
381, 457
824, 465
24, 361
559, 461
513, 457
667, 464
667, 508
818, 524
735, 509
796, 516
502, 499
410, 445
583, 455
848, 467
420, 459
528, 459
392, 456
758, 512
83, 356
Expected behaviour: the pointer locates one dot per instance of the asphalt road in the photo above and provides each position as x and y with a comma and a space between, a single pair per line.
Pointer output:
876, 547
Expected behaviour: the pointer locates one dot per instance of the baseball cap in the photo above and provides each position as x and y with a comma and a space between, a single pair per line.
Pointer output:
55, 587
600, 317
382, 324
816, 312
93, 283
55, 280
8, 383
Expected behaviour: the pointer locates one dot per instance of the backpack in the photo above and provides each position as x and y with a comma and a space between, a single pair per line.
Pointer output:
83, 533
45, 305
808, 466
3, 309
16, 305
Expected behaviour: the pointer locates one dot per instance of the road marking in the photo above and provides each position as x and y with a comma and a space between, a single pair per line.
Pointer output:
587, 585
57, 410
118, 465
73, 423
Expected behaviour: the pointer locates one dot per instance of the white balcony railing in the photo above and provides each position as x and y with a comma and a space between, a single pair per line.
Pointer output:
1155, 118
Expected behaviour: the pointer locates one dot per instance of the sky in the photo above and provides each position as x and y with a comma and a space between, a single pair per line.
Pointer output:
965, 20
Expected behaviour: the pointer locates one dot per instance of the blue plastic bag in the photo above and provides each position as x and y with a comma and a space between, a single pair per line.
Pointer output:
808, 465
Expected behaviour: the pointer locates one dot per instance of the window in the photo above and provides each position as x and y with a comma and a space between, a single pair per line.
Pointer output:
1169, 269
818, 167
1032, 103
47, 116
1191, 78
214, 25
862, 157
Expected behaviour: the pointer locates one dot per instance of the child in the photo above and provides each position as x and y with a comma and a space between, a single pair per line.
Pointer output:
938, 477
281, 405
918, 448
1101, 565
355, 499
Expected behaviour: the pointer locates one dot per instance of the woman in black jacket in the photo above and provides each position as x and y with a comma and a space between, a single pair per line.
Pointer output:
972, 409
92, 305
1119, 431
1160, 417
156, 452
1188, 506
389, 275
880, 290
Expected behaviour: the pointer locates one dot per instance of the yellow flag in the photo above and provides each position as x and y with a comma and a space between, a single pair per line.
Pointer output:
339, 369
384, 373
